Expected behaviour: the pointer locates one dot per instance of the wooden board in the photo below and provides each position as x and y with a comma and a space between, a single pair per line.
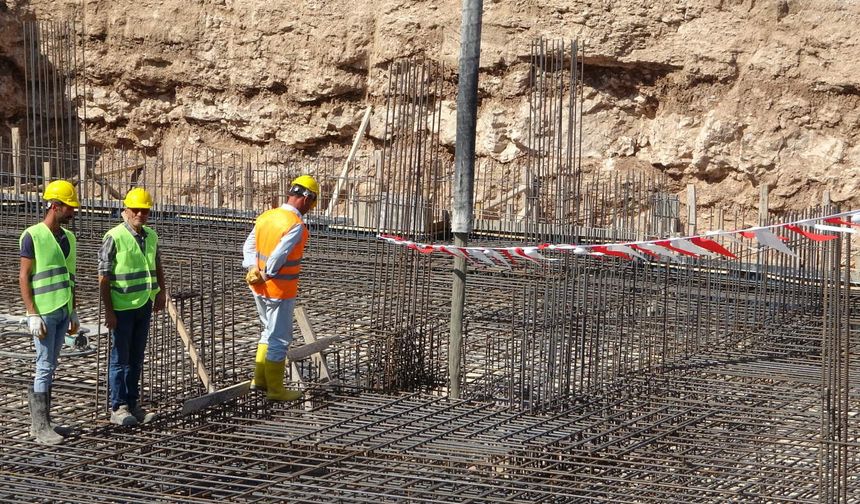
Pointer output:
190, 349
308, 349
215, 398
310, 338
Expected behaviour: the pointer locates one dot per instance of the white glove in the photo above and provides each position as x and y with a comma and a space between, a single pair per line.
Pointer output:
37, 326
74, 323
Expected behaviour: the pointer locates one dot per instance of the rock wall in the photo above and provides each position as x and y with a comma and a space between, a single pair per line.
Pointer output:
12, 95
726, 94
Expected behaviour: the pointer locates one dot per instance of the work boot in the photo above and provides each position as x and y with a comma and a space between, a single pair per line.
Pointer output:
259, 381
39, 427
59, 429
122, 416
141, 415
275, 382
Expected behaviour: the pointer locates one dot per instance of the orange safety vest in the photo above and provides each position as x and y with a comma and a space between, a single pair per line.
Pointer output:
271, 226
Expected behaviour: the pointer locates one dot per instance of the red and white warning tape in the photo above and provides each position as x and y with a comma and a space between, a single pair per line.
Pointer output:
698, 246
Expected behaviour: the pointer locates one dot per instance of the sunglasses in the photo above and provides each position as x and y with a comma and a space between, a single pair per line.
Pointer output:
301, 191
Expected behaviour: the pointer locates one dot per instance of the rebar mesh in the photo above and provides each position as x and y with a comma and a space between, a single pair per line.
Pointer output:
585, 379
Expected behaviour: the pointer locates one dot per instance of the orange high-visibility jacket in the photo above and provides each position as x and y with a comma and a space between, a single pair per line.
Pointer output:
271, 226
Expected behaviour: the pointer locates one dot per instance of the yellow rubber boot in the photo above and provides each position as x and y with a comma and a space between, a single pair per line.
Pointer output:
275, 381
259, 381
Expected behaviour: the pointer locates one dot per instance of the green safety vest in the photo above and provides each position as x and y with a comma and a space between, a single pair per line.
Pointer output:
133, 281
53, 275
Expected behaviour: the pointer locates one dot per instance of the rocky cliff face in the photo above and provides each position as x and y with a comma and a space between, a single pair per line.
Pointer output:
727, 94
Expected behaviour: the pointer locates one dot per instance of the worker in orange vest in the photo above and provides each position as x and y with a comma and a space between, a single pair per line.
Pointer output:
272, 254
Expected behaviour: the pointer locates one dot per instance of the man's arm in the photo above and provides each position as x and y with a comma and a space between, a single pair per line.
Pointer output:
107, 255
28, 255
283, 249
74, 321
249, 250
24, 284
161, 297
104, 293
34, 320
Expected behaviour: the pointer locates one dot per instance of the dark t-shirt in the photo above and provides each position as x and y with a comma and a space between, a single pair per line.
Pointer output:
28, 251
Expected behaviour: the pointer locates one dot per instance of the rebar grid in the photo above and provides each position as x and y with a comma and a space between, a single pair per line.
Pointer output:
590, 380
718, 405
701, 438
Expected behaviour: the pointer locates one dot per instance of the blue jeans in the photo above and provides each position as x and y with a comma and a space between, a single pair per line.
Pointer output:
276, 315
48, 349
126, 355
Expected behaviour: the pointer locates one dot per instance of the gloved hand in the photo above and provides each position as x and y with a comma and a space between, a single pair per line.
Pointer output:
254, 276
37, 326
74, 323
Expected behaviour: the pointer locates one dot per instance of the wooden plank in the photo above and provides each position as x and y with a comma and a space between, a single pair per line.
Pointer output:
190, 349
355, 143
692, 222
106, 186
308, 349
304, 324
310, 338
217, 397
134, 167
502, 198
763, 206
16, 159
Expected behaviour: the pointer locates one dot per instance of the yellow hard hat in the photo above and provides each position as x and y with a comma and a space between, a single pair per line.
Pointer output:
308, 183
138, 198
62, 191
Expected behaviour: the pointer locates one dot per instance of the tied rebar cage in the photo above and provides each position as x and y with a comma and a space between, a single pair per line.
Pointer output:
414, 187
54, 94
544, 195
414, 195
554, 161
582, 324
837, 460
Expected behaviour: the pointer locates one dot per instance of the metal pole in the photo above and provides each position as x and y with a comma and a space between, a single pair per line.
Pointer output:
464, 175
82, 165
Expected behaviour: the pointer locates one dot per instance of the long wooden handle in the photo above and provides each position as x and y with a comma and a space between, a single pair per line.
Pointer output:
190, 349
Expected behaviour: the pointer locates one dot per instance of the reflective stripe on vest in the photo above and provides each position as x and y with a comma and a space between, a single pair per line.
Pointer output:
271, 226
133, 280
53, 274
261, 260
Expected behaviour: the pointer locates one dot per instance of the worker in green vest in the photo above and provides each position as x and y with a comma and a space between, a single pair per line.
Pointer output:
46, 278
130, 285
